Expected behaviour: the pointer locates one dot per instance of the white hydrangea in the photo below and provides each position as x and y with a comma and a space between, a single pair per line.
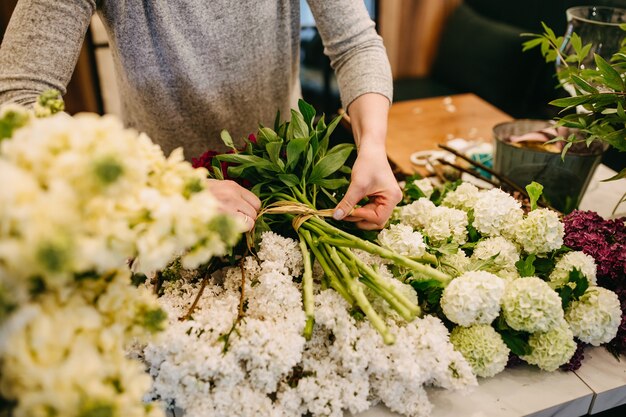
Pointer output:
439, 224
403, 240
454, 264
530, 305
540, 232
567, 263
416, 213
505, 253
473, 298
551, 349
482, 347
595, 317
508, 274
463, 198
496, 213
425, 186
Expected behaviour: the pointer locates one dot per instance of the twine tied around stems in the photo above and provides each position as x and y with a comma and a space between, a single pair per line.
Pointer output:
301, 211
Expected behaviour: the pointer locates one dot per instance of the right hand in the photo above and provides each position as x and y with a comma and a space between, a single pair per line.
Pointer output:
236, 200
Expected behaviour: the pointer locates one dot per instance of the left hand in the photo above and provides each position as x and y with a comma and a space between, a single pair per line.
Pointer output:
372, 177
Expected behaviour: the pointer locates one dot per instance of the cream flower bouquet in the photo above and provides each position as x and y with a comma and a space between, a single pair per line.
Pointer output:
82, 199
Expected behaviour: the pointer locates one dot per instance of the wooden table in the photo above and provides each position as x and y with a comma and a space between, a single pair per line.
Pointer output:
422, 124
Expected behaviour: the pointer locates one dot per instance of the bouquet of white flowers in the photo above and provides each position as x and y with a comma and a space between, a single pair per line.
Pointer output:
80, 198
513, 274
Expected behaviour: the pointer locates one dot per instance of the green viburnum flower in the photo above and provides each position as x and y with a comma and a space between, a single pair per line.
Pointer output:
473, 298
482, 347
551, 349
570, 261
530, 305
595, 317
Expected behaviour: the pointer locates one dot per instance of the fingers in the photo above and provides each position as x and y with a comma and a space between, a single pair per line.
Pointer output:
236, 200
345, 206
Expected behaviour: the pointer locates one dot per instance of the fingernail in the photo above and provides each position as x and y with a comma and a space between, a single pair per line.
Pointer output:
338, 214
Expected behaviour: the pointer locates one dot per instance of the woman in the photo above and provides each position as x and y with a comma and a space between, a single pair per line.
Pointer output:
188, 68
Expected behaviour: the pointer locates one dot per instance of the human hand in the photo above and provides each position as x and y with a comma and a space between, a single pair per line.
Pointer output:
372, 177
236, 200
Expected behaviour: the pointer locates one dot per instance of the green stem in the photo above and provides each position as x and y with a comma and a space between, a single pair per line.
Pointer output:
307, 289
427, 271
357, 292
302, 197
335, 283
390, 293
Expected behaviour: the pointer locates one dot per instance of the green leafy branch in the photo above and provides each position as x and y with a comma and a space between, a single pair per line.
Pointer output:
600, 91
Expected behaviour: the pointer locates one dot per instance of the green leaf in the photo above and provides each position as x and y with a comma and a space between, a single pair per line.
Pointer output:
308, 112
290, 180
583, 85
268, 135
577, 43
227, 139
517, 343
329, 130
273, 151
571, 101
534, 190
297, 127
618, 176
249, 160
611, 77
616, 139
332, 184
581, 283
525, 267
295, 148
308, 161
532, 43
565, 293
330, 163
543, 266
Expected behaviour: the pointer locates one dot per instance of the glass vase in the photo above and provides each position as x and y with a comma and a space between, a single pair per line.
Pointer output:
598, 26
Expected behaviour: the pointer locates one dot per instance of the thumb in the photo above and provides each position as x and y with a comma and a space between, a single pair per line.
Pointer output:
345, 206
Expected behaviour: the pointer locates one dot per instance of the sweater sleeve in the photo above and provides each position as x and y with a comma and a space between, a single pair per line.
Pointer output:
41, 46
356, 51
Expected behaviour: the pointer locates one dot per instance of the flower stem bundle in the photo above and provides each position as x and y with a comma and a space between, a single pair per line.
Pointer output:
300, 178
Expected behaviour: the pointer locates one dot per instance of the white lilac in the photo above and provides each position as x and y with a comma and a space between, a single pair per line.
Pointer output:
530, 305
595, 317
344, 367
403, 240
540, 232
473, 298
551, 349
503, 252
496, 213
570, 261
482, 347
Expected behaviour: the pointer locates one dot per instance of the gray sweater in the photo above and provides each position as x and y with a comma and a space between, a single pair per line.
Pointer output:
186, 69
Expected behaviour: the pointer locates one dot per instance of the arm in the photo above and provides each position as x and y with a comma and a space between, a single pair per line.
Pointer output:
371, 174
360, 61
41, 46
